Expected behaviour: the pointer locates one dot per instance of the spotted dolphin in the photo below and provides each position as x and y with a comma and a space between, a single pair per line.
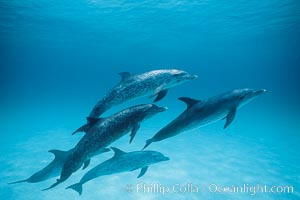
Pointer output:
153, 83
121, 162
199, 113
103, 133
53, 169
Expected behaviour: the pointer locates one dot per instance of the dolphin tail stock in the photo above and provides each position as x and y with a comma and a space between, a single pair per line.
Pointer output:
25, 180
77, 187
148, 142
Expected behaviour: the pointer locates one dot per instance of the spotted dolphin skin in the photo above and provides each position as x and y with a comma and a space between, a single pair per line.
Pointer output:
53, 169
121, 162
153, 83
103, 133
199, 113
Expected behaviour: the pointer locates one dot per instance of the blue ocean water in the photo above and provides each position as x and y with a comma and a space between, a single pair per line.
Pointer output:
58, 58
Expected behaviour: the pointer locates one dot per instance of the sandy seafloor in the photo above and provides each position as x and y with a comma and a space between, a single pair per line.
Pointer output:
248, 152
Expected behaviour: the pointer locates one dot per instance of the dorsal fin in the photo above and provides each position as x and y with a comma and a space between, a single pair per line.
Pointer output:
58, 153
189, 101
91, 121
117, 151
125, 76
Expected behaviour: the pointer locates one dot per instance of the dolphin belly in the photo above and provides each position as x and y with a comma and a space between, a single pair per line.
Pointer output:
187, 121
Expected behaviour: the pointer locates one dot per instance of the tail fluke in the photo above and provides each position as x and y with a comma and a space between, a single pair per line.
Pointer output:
52, 186
148, 142
25, 180
77, 187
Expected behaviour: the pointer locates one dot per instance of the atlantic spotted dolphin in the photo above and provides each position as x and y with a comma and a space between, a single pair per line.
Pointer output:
199, 113
53, 169
103, 133
153, 83
121, 162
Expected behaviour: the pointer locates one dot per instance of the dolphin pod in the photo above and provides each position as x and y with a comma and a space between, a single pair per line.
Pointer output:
100, 132
121, 162
103, 133
203, 112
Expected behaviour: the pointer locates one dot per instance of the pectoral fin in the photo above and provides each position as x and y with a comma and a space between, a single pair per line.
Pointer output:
86, 164
161, 95
159, 92
230, 117
134, 130
143, 171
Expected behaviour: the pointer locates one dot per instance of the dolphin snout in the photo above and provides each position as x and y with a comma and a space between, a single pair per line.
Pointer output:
166, 158
193, 76
162, 109
259, 92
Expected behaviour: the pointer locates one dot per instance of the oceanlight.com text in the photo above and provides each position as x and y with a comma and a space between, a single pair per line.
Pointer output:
157, 188
250, 189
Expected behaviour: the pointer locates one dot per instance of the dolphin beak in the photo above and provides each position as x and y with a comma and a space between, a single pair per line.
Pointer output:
166, 158
162, 109
259, 92
194, 77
